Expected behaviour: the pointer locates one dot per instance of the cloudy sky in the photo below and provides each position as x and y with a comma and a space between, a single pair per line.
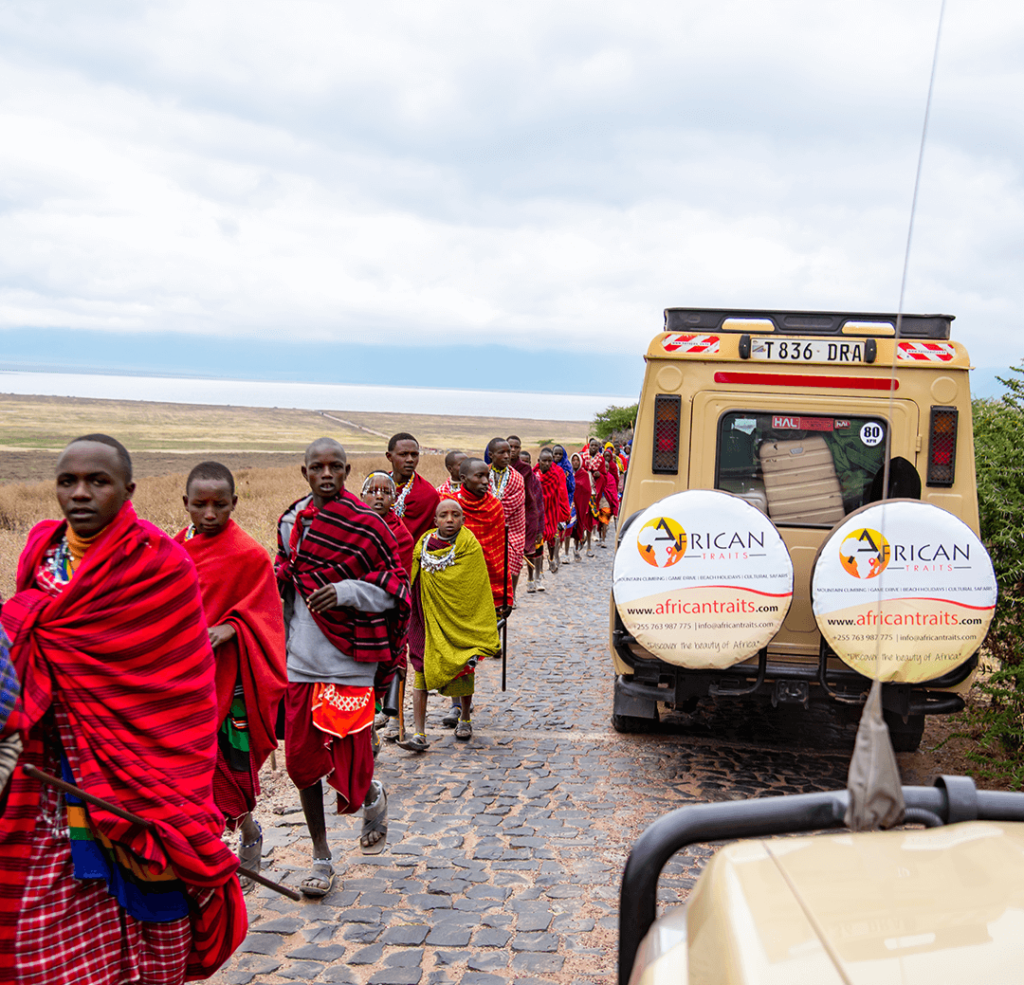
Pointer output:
493, 195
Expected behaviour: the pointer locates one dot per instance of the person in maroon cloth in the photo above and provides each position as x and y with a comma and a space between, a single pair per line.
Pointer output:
415, 499
346, 599
243, 611
534, 500
111, 646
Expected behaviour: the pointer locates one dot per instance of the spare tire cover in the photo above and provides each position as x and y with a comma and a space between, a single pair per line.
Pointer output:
702, 579
903, 591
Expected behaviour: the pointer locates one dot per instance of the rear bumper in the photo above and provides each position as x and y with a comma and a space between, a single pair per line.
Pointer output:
654, 681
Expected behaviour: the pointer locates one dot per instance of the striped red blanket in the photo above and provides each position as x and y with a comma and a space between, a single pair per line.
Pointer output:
347, 540
485, 518
122, 652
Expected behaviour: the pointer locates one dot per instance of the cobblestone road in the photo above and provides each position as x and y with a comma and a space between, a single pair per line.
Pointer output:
505, 853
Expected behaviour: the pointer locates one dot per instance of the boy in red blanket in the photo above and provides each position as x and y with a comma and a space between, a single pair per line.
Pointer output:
484, 516
118, 695
415, 499
243, 611
346, 599
556, 504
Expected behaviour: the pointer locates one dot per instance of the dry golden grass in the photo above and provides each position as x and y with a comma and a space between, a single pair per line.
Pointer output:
28, 422
263, 495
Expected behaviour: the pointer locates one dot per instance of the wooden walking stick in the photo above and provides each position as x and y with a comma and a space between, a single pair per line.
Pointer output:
401, 709
508, 612
55, 781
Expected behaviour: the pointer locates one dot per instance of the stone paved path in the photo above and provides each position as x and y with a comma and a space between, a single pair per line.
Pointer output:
505, 853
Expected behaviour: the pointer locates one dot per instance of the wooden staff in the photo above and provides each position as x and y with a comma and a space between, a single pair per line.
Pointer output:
401, 708
55, 781
504, 622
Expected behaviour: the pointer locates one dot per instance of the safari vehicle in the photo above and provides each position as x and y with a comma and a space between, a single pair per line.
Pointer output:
942, 904
796, 414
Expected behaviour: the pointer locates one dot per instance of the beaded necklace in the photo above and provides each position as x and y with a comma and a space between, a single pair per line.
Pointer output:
59, 563
499, 482
437, 562
399, 505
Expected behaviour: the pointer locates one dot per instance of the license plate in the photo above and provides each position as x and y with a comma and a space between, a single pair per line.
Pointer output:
806, 351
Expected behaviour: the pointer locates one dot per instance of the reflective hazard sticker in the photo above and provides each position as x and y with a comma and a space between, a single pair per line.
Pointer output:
926, 352
694, 345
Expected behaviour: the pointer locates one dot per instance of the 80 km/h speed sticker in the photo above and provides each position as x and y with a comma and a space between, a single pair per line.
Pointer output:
903, 591
702, 579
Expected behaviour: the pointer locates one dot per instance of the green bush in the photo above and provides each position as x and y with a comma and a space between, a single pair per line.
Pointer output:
614, 420
998, 724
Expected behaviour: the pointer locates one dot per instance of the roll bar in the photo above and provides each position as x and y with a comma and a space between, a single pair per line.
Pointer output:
951, 799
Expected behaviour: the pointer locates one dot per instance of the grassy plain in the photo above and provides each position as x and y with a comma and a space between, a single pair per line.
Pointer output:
263, 494
261, 445
29, 424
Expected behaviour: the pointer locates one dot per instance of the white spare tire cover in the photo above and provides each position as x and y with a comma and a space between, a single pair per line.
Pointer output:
903, 591
702, 579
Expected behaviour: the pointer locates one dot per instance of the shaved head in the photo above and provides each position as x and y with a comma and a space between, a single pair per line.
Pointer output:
321, 444
469, 464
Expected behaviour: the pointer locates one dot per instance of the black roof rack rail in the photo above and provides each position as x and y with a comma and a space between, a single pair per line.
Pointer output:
802, 322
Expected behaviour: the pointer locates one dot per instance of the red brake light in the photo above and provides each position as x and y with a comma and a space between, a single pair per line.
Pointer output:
942, 446
666, 434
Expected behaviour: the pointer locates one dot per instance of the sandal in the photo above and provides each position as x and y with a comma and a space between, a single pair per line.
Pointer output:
320, 879
418, 743
464, 730
452, 718
375, 819
249, 857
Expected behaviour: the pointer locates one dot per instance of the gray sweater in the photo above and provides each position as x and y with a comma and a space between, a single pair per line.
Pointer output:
311, 657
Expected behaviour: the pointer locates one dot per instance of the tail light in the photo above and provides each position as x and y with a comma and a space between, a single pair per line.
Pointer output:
666, 434
942, 446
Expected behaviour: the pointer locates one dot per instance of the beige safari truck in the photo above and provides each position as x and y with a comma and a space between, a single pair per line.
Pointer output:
937, 902
795, 421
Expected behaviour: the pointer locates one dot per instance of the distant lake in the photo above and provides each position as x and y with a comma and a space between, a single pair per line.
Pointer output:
313, 396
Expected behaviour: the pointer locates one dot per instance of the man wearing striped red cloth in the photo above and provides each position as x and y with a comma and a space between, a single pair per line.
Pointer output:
118, 695
346, 609
534, 500
506, 485
556, 503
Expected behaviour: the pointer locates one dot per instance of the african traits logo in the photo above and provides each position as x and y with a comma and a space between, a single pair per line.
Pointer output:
865, 553
661, 542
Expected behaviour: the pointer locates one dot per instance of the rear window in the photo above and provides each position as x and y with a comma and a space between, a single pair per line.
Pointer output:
801, 470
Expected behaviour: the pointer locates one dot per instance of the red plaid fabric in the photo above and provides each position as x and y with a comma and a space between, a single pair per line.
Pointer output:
347, 540
72, 930
513, 501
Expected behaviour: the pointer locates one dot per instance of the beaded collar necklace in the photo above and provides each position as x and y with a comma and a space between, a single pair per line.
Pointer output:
499, 482
437, 562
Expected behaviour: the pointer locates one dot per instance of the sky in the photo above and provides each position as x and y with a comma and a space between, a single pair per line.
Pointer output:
493, 196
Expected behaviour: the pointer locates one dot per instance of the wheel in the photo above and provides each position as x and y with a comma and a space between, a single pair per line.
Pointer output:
627, 724
905, 735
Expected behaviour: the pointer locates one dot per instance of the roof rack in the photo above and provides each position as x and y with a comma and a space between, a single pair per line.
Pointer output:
744, 320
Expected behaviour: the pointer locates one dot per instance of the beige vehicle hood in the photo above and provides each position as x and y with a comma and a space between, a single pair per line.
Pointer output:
922, 906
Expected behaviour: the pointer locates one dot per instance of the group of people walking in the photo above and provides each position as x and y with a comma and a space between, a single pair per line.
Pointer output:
156, 675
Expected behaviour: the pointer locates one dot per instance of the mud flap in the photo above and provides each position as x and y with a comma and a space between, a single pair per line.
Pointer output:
626, 703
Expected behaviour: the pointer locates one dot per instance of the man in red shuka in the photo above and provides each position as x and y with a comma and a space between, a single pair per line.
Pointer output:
243, 610
415, 499
119, 696
556, 502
